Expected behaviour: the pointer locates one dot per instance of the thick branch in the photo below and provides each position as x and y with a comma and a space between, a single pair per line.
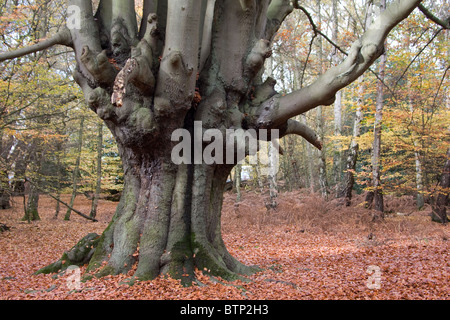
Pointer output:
104, 16
443, 23
276, 13
300, 129
150, 7
87, 35
207, 33
62, 38
362, 55
125, 10
179, 63
98, 66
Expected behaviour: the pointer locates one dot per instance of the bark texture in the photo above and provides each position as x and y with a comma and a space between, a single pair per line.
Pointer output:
440, 201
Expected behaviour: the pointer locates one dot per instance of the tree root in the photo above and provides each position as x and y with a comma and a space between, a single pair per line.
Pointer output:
4, 227
79, 255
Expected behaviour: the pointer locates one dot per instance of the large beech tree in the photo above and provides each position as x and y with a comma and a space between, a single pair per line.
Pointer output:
188, 61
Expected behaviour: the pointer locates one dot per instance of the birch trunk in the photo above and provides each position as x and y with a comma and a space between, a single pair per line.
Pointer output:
76, 170
337, 158
377, 188
323, 182
352, 157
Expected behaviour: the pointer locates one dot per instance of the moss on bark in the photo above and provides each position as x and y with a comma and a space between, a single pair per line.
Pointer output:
79, 255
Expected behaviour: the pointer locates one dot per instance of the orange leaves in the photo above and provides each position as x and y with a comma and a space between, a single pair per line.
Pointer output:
308, 249
113, 62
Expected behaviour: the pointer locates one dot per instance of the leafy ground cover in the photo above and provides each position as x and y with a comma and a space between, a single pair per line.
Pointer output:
308, 249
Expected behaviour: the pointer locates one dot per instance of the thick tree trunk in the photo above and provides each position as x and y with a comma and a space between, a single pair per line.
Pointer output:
168, 221
32, 205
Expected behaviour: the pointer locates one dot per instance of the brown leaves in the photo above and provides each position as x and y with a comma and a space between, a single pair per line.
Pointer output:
308, 249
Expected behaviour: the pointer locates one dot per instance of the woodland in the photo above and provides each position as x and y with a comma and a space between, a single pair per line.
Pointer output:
357, 208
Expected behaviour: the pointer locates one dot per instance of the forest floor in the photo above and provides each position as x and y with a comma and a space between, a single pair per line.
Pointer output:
308, 249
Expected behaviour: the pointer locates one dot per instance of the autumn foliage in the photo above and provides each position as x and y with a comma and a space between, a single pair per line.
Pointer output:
308, 249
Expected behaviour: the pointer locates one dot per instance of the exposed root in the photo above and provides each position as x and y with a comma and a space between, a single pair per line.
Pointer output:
79, 255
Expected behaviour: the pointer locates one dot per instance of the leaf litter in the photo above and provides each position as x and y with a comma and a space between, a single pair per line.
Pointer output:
308, 249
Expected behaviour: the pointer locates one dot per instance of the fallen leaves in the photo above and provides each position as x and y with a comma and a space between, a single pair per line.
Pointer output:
302, 257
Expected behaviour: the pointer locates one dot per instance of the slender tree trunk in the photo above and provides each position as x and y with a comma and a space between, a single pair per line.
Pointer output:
420, 202
309, 161
337, 158
259, 177
60, 155
440, 199
272, 177
58, 179
376, 156
76, 171
31, 206
237, 181
5, 193
417, 159
323, 182
352, 157
98, 187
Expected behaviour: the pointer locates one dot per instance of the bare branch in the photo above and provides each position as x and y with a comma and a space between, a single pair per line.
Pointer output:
417, 55
443, 23
316, 29
276, 13
336, 46
300, 129
362, 55
62, 38
440, 85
